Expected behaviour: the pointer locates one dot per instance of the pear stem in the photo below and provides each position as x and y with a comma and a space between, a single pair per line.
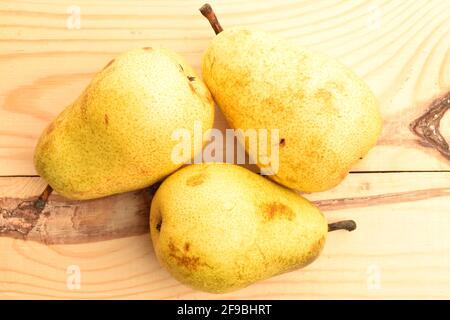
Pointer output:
42, 199
209, 14
348, 225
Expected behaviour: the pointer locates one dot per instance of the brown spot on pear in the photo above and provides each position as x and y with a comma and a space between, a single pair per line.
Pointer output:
274, 210
182, 259
196, 180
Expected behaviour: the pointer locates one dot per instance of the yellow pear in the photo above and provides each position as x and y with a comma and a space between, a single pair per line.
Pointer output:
116, 136
220, 227
327, 117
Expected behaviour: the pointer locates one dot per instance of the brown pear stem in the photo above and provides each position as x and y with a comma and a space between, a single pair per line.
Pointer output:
42, 199
348, 225
209, 14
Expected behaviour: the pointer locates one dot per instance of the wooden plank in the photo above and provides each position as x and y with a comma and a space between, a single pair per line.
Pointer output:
401, 248
401, 49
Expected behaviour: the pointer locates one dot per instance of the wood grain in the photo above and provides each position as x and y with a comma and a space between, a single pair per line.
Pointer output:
401, 48
401, 249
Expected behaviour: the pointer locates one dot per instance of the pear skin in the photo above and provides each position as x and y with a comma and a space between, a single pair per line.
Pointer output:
220, 227
117, 136
328, 118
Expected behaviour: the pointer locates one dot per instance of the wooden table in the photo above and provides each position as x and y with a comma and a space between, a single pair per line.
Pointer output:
399, 194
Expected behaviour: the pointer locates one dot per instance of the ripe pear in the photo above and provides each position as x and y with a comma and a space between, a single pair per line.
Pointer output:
220, 227
327, 117
116, 136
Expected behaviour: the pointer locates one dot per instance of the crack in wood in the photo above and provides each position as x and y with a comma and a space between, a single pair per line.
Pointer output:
380, 199
64, 221
426, 127
19, 220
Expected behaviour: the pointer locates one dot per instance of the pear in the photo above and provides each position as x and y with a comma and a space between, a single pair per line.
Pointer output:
116, 136
220, 227
327, 117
